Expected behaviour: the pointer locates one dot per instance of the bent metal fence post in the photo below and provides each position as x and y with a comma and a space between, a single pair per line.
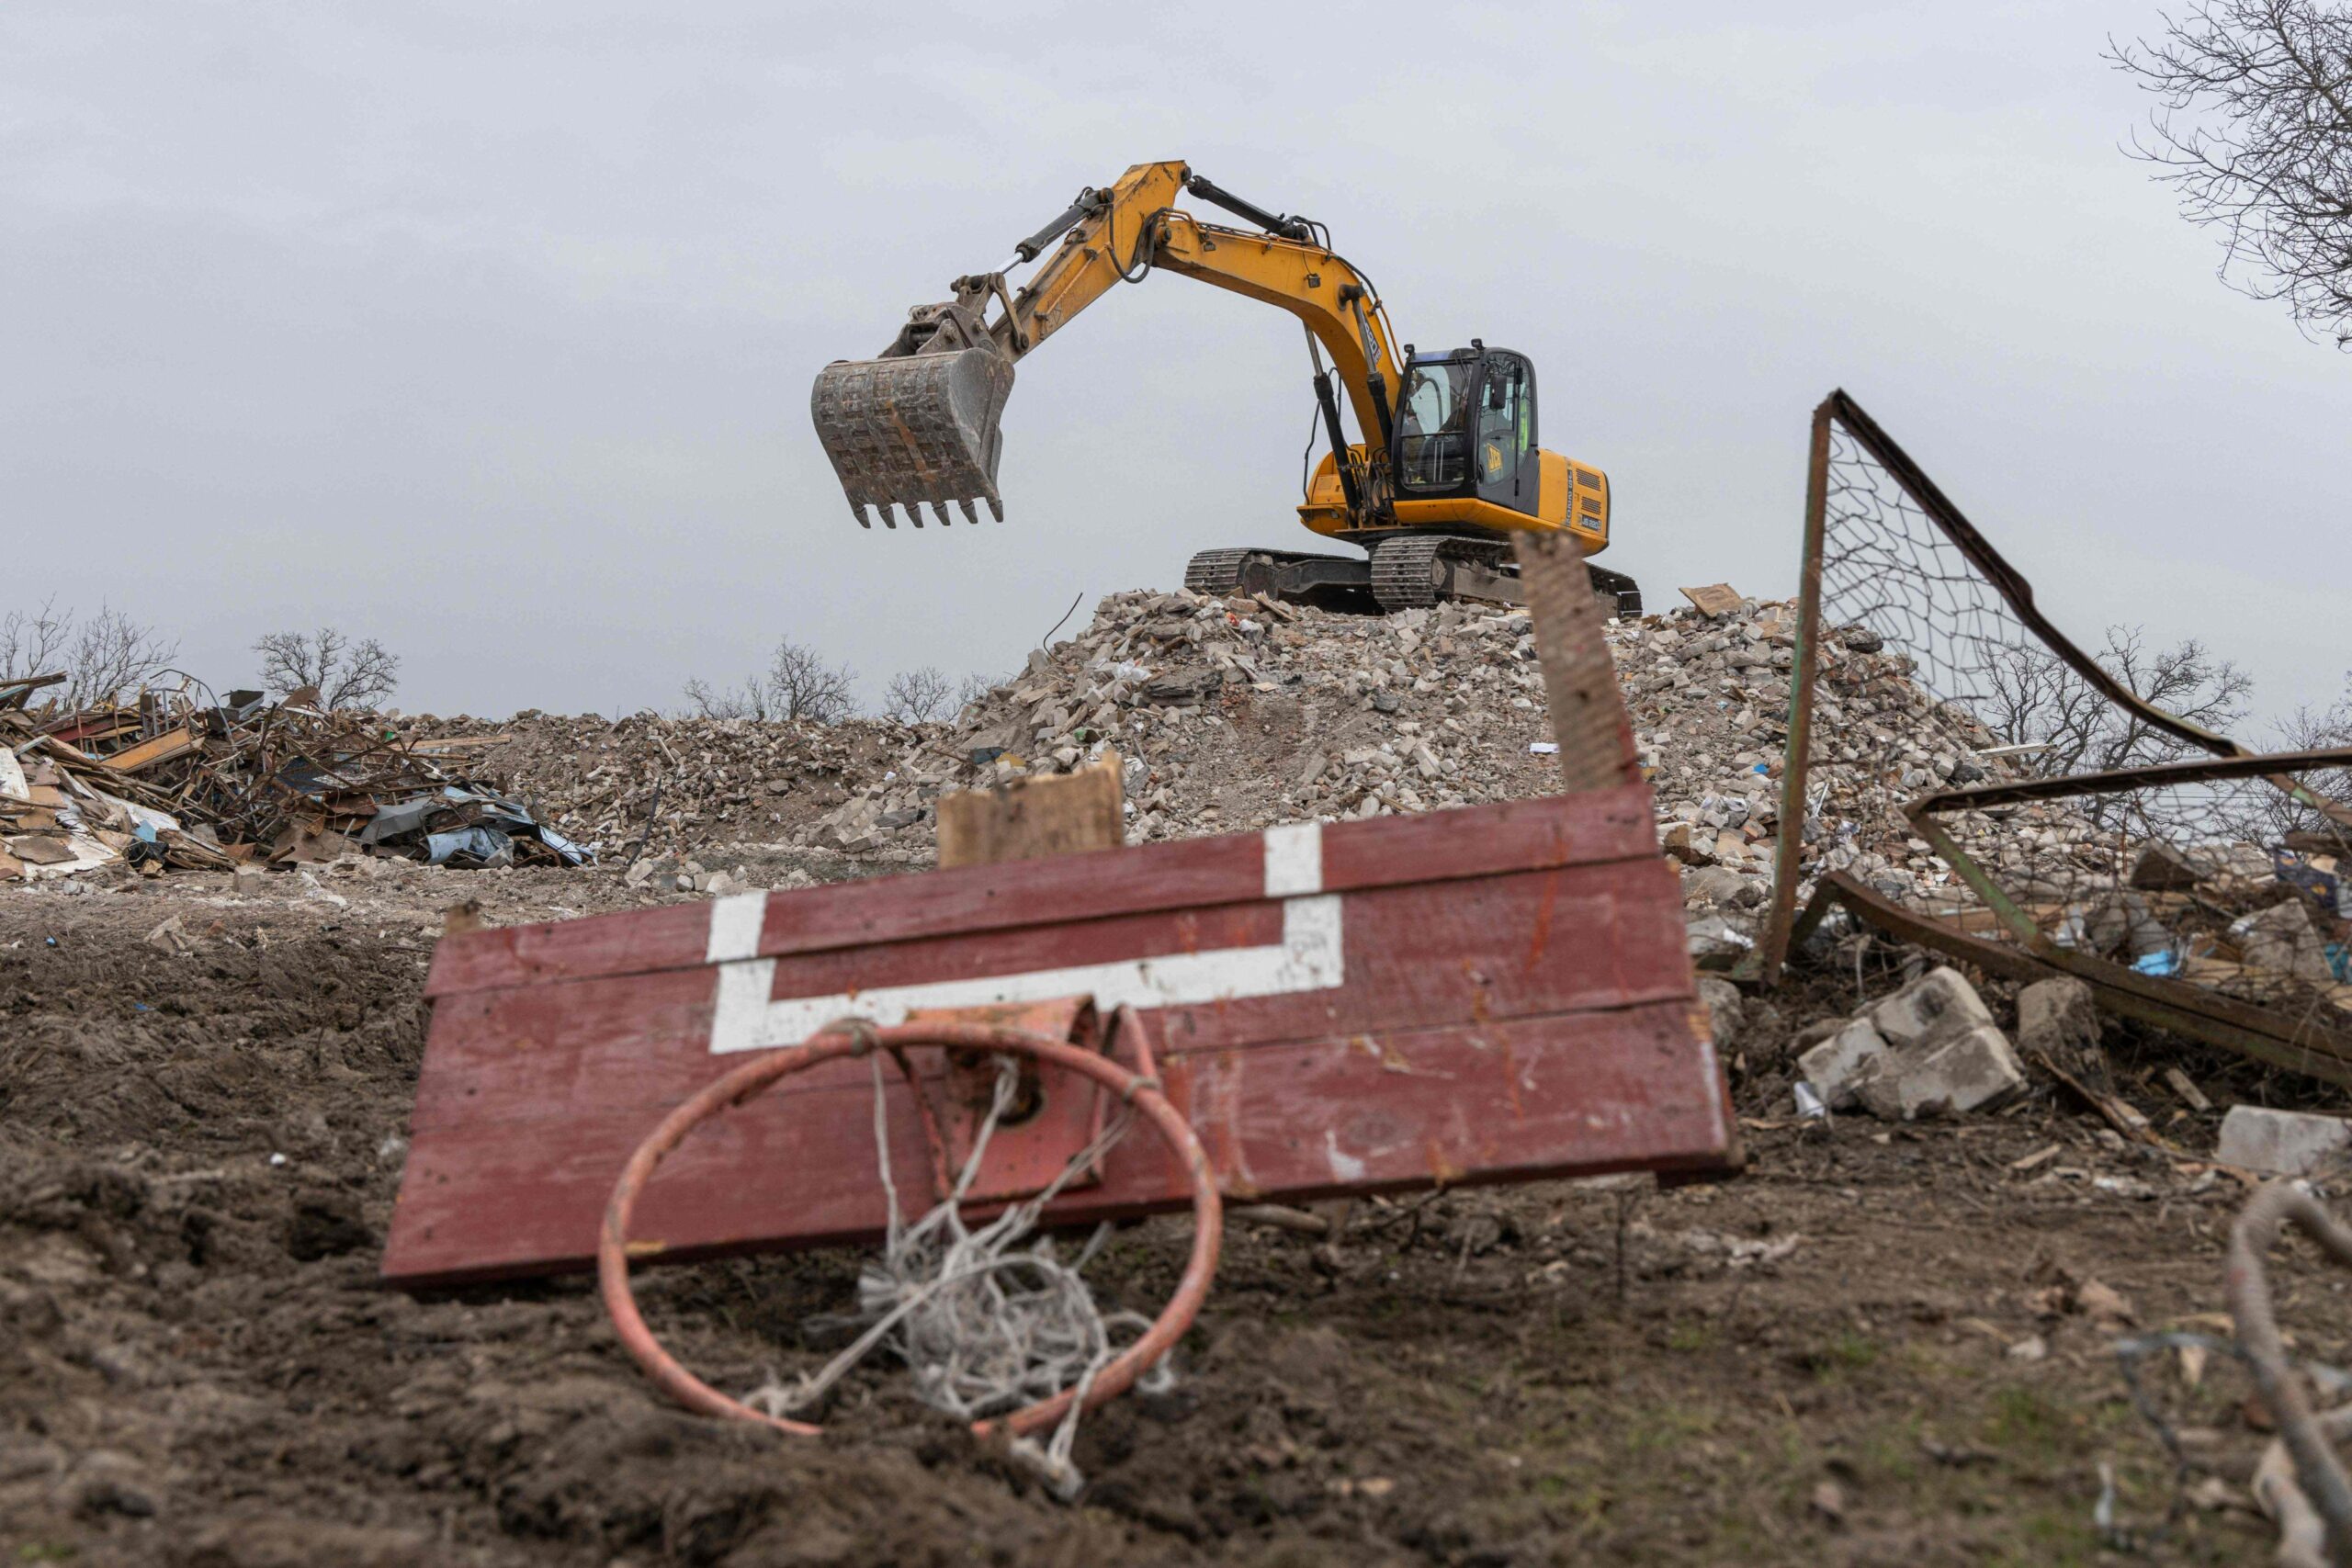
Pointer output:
2062, 824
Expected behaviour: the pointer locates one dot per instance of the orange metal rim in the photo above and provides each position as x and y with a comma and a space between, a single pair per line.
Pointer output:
747, 1082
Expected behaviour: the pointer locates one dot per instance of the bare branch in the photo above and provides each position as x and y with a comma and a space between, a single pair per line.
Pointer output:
802, 686
2252, 130
799, 684
105, 657
345, 674
35, 643
917, 696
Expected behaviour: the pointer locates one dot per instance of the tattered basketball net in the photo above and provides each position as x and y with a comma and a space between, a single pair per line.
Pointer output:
984, 1321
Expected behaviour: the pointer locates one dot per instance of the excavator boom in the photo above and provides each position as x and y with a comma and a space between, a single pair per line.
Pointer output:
1444, 470
919, 422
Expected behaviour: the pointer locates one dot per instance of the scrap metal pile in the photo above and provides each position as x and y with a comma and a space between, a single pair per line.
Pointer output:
169, 781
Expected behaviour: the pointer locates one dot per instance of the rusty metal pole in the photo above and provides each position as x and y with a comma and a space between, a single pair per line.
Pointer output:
1796, 766
1589, 718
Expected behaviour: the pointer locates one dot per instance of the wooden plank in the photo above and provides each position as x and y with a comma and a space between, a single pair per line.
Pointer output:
1028, 818
1563, 1095
1714, 599
1580, 937
161, 749
1486, 993
1603, 825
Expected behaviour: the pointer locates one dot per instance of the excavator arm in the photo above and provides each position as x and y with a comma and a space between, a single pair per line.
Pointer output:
920, 422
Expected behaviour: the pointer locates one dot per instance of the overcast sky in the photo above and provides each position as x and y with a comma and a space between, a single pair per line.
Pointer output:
488, 330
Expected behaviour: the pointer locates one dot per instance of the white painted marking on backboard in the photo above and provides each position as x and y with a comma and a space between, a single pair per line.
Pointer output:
1308, 958
1294, 860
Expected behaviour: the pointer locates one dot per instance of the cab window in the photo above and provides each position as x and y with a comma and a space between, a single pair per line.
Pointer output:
1433, 427
1505, 421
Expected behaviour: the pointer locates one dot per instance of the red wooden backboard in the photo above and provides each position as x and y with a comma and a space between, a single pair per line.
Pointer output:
1490, 994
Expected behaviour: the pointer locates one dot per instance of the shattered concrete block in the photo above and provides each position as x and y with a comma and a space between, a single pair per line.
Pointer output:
2283, 1143
2282, 938
1940, 1005
2119, 924
1715, 942
1717, 885
1727, 1010
2057, 1018
1837, 1065
248, 881
1930, 1049
1959, 1076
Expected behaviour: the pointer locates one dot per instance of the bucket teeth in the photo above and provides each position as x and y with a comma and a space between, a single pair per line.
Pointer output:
918, 430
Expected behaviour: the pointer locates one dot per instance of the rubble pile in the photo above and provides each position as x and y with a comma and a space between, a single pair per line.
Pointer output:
170, 782
1238, 714
648, 788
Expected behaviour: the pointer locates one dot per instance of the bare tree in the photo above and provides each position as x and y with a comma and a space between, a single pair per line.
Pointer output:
104, 655
747, 701
34, 643
111, 655
346, 674
799, 685
917, 696
2312, 729
2252, 130
2036, 699
972, 688
802, 686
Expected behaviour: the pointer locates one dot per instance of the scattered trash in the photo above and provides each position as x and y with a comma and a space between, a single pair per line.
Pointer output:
168, 781
1810, 1106
1543, 748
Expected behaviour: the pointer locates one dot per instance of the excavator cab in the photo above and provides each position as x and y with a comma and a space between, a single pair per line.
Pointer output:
1465, 429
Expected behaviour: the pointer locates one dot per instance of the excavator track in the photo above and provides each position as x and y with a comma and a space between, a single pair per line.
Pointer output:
1408, 571
1295, 576
1421, 570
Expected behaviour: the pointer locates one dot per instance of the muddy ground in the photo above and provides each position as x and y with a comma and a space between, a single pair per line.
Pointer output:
1824, 1361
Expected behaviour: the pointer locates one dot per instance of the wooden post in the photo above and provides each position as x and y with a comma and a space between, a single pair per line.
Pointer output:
1027, 818
1796, 763
1588, 718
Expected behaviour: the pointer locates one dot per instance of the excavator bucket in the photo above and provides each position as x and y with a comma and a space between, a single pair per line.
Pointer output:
920, 427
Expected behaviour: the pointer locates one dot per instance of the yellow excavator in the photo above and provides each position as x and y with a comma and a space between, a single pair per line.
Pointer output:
1446, 470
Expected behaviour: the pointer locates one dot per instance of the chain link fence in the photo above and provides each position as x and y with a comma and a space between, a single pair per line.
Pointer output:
1962, 773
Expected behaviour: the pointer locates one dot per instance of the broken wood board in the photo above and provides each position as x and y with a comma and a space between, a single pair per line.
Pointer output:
1488, 993
162, 749
1047, 814
1715, 599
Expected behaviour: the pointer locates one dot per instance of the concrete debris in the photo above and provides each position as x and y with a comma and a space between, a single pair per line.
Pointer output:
1931, 1048
2058, 1018
1725, 1010
656, 793
2284, 938
2283, 1143
1232, 716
